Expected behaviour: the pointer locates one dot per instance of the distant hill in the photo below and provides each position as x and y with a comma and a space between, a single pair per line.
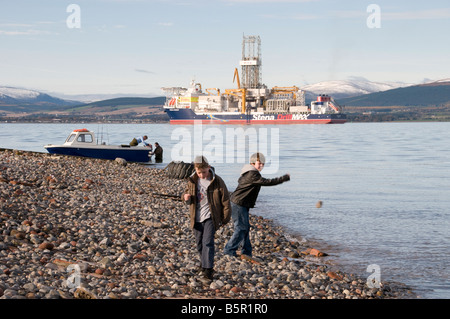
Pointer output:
429, 94
126, 101
18, 100
130, 106
15, 100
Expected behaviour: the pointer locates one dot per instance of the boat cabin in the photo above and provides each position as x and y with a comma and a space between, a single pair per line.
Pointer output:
81, 137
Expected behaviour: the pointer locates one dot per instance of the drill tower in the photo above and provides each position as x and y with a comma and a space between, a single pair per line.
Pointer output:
251, 62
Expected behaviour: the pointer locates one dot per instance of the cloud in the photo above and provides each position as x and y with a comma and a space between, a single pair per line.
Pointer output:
165, 24
144, 71
15, 25
26, 32
357, 78
434, 14
293, 17
13, 29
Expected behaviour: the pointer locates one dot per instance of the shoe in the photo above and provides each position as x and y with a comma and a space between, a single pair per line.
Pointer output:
231, 254
208, 273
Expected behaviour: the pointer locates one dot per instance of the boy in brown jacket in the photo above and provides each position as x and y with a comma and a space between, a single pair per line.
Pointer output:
209, 209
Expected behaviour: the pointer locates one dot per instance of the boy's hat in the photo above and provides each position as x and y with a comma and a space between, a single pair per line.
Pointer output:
257, 157
200, 159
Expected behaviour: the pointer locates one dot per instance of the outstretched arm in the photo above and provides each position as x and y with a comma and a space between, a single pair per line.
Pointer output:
259, 180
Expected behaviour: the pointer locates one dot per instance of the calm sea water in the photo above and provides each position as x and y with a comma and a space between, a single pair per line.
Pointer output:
384, 186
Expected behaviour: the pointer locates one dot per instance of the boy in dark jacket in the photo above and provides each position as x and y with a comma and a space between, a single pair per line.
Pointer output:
244, 198
209, 209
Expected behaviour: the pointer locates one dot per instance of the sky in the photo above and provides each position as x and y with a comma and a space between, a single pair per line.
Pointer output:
136, 47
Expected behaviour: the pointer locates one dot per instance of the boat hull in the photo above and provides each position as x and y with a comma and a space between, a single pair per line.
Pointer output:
129, 153
187, 116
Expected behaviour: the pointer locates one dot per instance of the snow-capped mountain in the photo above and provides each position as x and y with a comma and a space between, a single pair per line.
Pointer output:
24, 97
428, 93
349, 88
17, 93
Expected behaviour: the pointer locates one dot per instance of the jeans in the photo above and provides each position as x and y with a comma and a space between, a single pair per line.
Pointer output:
204, 238
241, 222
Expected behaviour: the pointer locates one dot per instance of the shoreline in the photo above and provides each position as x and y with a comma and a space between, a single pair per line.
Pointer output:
80, 228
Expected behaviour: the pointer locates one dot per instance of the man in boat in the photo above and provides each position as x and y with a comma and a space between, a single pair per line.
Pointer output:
158, 152
141, 139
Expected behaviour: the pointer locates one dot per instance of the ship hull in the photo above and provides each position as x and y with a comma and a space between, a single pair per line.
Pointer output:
187, 116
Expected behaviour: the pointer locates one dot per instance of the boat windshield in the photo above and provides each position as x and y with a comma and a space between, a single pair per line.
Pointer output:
71, 138
80, 138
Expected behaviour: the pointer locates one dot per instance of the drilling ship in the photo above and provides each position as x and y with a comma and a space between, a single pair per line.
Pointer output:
251, 102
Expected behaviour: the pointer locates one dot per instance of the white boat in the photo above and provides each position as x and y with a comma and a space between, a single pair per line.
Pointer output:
82, 142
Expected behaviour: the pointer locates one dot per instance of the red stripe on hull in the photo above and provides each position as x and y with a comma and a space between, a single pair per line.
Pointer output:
318, 121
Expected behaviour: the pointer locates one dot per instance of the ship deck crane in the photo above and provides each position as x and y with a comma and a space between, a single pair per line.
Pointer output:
239, 92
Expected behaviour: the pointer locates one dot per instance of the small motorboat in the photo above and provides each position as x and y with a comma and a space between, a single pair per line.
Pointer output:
82, 142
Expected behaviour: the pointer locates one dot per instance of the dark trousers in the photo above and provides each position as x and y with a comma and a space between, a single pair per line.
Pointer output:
204, 238
241, 220
134, 142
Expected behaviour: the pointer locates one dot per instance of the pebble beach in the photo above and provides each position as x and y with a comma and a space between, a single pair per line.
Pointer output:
80, 228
